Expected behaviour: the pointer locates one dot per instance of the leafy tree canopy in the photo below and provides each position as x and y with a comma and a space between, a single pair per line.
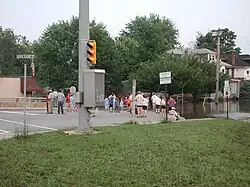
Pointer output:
188, 74
57, 54
209, 41
11, 45
154, 34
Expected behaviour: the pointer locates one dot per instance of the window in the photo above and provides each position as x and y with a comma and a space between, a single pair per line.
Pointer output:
211, 57
247, 72
223, 70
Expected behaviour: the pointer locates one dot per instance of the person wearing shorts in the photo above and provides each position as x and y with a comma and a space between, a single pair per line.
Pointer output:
139, 103
157, 104
163, 107
145, 106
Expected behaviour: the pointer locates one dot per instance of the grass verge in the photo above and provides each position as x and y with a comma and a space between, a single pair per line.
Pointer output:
195, 153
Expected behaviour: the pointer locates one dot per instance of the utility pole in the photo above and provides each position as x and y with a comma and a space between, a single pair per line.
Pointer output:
84, 115
217, 33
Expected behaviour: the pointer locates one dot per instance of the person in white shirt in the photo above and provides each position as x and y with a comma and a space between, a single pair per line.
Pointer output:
153, 102
163, 107
157, 104
145, 106
173, 115
139, 103
50, 102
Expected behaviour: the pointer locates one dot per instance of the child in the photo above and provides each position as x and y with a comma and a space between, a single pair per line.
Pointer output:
117, 106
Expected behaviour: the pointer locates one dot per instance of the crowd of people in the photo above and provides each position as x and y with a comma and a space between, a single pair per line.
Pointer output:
60, 100
142, 102
158, 104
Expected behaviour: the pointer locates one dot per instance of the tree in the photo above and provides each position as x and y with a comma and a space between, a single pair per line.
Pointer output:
10, 46
57, 54
154, 34
245, 90
209, 41
127, 55
189, 75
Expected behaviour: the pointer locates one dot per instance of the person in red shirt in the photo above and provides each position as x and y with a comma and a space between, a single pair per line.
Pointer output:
68, 101
171, 103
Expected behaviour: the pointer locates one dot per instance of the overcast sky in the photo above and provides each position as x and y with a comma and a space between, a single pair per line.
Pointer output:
30, 17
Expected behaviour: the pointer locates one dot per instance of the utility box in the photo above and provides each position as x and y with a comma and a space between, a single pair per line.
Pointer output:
94, 87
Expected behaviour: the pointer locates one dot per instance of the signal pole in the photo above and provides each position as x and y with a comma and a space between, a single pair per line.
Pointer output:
84, 115
217, 33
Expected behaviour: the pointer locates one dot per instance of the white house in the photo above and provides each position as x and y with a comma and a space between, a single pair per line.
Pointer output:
235, 72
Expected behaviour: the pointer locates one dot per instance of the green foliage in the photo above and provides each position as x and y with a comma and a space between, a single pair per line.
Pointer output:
57, 54
12, 45
245, 90
202, 153
155, 35
190, 74
209, 41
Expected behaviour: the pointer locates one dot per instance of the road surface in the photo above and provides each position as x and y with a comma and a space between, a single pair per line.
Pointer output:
11, 121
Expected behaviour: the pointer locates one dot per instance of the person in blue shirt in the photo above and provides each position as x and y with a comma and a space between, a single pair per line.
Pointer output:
106, 104
117, 106
111, 103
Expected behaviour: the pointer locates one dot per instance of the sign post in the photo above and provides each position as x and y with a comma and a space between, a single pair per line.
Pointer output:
227, 91
165, 79
25, 56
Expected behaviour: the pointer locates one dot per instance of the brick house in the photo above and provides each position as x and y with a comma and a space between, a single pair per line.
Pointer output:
12, 87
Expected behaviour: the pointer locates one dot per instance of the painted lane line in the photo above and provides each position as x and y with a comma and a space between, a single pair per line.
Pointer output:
12, 112
4, 131
31, 125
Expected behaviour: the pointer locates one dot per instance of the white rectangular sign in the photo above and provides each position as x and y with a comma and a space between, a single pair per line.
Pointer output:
166, 80
165, 77
165, 74
25, 56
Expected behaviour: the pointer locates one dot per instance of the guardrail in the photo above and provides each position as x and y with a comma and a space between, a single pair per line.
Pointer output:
19, 102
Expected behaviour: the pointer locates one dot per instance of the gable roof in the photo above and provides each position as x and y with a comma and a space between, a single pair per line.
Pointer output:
204, 51
32, 85
238, 60
201, 51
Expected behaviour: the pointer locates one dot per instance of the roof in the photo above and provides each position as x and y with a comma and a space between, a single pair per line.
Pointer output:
203, 51
245, 56
226, 64
200, 51
238, 60
32, 85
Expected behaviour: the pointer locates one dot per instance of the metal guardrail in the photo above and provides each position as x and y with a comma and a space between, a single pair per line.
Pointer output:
21, 99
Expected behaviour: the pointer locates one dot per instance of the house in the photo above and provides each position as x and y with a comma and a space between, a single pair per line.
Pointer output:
240, 64
12, 87
203, 53
225, 66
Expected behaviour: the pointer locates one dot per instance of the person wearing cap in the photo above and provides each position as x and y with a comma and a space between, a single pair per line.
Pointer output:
173, 115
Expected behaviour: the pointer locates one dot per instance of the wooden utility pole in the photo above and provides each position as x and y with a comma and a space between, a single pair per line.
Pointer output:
217, 33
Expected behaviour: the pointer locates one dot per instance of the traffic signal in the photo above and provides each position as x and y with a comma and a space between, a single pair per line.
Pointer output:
91, 52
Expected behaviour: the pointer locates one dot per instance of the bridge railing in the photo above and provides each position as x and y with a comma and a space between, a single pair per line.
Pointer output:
19, 102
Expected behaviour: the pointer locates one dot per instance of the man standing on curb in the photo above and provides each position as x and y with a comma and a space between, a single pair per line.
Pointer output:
60, 102
50, 102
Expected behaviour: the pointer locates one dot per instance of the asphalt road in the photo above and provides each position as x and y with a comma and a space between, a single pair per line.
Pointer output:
11, 121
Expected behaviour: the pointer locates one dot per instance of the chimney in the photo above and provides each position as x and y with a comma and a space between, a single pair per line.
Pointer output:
233, 57
186, 52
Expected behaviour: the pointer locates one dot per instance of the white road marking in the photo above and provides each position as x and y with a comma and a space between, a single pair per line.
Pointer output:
4, 131
37, 126
14, 112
